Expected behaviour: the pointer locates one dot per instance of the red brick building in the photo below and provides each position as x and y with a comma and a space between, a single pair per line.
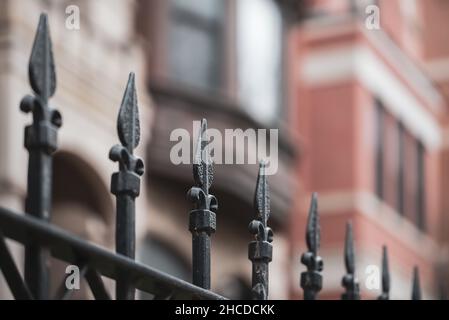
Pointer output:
370, 106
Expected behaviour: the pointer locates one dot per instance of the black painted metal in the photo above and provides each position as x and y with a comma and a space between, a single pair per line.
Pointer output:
72, 249
12, 275
312, 280
41, 142
260, 251
385, 295
125, 184
96, 285
349, 281
416, 287
202, 222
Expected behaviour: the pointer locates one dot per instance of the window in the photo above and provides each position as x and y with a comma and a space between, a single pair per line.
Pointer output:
420, 197
259, 52
399, 167
379, 150
230, 47
195, 42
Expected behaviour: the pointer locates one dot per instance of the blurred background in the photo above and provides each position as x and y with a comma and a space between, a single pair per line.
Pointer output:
359, 91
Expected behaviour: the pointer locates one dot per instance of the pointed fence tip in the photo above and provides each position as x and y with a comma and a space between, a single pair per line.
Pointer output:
201, 142
416, 289
313, 227
385, 271
262, 194
203, 172
262, 166
313, 209
349, 249
41, 69
385, 257
43, 17
128, 125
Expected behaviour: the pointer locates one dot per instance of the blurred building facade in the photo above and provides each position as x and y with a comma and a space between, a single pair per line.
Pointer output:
223, 61
92, 66
193, 61
371, 107
361, 113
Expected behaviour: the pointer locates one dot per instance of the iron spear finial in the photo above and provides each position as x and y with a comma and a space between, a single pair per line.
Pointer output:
41, 141
128, 130
42, 66
203, 173
202, 220
128, 125
259, 227
261, 196
202, 166
349, 281
416, 289
42, 76
349, 250
260, 250
125, 183
313, 226
385, 276
311, 280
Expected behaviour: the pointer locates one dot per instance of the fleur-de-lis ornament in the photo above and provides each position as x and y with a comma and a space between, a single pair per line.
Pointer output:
202, 220
260, 250
203, 173
259, 227
311, 280
41, 143
125, 184
128, 129
349, 281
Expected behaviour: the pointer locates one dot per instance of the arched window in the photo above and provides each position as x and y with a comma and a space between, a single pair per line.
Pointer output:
81, 205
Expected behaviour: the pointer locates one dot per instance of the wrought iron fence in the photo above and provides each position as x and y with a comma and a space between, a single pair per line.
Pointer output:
42, 239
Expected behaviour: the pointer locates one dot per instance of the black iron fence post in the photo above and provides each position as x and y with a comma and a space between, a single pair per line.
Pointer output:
125, 184
312, 280
416, 287
349, 281
41, 142
385, 276
202, 220
260, 250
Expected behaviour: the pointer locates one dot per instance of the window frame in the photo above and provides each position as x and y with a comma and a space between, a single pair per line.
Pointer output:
402, 188
156, 27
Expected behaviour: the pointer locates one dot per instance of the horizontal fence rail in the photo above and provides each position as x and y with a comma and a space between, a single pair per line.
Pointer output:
72, 249
41, 239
